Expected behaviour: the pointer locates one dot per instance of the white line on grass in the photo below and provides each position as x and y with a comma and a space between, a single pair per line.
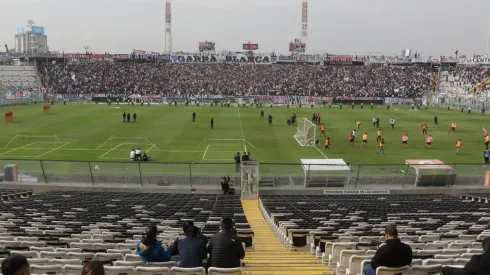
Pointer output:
53, 150
241, 128
109, 151
150, 148
18, 148
103, 143
205, 152
320, 151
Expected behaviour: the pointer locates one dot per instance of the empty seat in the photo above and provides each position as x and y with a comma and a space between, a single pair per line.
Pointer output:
27, 254
72, 269
67, 261
46, 269
39, 261
188, 271
155, 270
425, 269
109, 257
224, 271
119, 270
133, 263
382, 270
81, 256
54, 255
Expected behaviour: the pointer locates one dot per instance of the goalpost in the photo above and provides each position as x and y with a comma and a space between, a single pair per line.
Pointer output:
40, 142
305, 132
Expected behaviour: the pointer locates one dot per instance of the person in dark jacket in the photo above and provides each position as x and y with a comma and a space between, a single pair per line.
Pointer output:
192, 249
478, 265
225, 185
175, 244
393, 254
150, 249
225, 248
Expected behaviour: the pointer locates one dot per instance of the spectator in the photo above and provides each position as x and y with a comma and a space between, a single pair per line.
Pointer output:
93, 268
15, 265
393, 254
486, 156
150, 249
192, 249
183, 235
478, 265
245, 157
225, 247
237, 162
225, 185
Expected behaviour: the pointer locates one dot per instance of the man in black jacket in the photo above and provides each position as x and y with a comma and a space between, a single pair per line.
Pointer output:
478, 265
225, 248
393, 254
175, 244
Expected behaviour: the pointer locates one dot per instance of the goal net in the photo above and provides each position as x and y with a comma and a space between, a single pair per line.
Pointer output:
31, 141
305, 132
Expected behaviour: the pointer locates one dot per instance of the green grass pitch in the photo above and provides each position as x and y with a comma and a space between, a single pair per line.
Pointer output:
84, 132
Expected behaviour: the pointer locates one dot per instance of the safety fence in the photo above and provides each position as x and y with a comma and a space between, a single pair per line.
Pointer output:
210, 174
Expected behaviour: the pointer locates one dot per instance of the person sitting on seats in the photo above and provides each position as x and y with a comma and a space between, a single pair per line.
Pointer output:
192, 249
393, 254
93, 268
478, 265
150, 249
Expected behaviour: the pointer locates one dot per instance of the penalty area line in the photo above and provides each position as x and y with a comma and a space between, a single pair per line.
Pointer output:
109, 151
319, 151
53, 150
205, 152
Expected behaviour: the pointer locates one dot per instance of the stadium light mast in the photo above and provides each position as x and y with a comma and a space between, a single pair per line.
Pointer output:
304, 24
168, 26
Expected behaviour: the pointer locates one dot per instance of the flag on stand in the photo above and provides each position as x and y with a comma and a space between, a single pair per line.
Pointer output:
456, 53
6, 48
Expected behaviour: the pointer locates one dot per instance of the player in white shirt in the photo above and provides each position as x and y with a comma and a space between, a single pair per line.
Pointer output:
138, 154
132, 155
392, 122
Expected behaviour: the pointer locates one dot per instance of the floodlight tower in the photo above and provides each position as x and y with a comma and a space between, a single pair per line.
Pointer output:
304, 24
168, 26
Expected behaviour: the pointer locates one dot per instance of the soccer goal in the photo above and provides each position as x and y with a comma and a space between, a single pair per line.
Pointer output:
34, 142
305, 132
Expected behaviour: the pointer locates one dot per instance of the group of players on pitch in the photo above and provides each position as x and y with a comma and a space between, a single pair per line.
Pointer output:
380, 140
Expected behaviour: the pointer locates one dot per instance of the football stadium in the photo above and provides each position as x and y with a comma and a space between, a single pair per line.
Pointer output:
225, 161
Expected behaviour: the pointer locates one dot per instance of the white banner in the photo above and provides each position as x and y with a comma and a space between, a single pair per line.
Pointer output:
356, 192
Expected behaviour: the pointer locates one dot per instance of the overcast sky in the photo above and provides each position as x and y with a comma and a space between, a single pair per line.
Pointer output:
432, 27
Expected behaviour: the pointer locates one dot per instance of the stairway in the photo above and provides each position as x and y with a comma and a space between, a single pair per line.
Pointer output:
269, 256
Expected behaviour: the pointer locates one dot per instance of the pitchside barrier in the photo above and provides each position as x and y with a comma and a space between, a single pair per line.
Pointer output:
195, 175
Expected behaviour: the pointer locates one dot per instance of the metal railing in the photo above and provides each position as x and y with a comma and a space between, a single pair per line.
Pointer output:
195, 175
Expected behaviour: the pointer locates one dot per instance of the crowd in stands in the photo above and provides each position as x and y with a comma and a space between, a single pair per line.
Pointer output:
463, 79
237, 80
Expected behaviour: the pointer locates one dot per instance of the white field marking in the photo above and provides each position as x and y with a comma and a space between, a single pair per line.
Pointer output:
150, 148
241, 129
103, 143
222, 151
53, 150
109, 151
205, 152
217, 159
17, 148
321, 152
